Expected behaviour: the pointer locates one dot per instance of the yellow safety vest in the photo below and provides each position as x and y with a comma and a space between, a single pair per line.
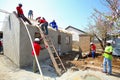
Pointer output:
108, 49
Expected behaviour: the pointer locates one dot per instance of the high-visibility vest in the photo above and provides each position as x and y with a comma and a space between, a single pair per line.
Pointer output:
108, 49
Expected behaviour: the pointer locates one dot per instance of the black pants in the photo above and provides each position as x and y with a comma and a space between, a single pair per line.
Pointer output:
25, 19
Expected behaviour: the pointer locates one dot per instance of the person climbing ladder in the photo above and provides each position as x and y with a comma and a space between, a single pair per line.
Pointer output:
44, 24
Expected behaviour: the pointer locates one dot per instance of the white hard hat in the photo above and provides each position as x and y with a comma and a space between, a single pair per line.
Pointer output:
37, 39
91, 43
109, 41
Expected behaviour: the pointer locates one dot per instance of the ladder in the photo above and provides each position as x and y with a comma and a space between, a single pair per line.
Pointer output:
57, 62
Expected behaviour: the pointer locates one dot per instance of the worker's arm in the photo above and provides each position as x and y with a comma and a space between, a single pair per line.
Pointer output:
50, 23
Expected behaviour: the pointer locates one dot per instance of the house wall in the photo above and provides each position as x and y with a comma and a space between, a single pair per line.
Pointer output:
17, 45
11, 38
75, 34
25, 44
84, 42
64, 46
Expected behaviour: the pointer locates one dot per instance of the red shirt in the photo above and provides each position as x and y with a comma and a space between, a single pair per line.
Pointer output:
42, 21
37, 48
93, 47
19, 10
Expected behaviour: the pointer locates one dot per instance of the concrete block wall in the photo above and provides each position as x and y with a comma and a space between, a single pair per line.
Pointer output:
64, 46
25, 44
17, 45
11, 32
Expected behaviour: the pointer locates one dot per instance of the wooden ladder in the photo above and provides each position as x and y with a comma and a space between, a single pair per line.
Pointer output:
57, 62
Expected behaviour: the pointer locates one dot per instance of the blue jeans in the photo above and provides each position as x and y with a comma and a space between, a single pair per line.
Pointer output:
93, 54
44, 27
107, 62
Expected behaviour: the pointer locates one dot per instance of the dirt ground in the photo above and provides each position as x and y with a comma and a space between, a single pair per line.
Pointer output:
89, 62
83, 67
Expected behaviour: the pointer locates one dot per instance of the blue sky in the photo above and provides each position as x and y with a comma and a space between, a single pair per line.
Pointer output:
65, 12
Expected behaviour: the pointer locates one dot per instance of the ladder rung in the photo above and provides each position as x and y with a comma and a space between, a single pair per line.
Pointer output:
59, 64
54, 55
56, 58
51, 45
48, 40
53, 51
62, 71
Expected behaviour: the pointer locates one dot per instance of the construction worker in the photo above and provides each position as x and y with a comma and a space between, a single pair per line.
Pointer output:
54, 25
37, 48
44, 25
30, 14
21, 14
107, 62
92, 49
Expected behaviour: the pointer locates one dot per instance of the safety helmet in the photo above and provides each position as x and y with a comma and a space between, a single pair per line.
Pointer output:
37, 39
91, 43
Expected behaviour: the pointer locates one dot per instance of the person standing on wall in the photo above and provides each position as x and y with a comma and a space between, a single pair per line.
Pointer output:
92, 49
21, 14
30, 14
107, 62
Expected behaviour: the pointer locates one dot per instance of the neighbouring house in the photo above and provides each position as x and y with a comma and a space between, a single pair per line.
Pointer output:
75, 32
75, 36
17, 44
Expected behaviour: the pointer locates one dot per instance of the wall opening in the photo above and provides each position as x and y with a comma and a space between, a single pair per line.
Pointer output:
67, 41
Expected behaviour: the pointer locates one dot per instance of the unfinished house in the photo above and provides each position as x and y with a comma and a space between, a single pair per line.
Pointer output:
17, 44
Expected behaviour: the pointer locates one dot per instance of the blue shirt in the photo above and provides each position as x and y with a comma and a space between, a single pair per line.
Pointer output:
54, 25
30, 12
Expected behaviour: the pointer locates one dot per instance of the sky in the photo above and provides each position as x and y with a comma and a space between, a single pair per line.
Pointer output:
66, 13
